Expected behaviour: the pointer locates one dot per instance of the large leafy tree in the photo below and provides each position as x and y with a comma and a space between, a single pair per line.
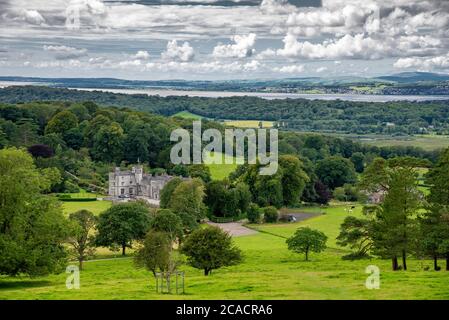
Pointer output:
166, 221
32, 226
200, 171
108, 143
154, 255
294, 179
61, 123
136, 143
210, 248
307, 240
121, 224
81, 238
168, 190
266, 189
226, 200
187, 202
335, 171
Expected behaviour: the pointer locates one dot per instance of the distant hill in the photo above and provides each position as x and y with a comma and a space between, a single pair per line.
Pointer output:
407, 83
412, 77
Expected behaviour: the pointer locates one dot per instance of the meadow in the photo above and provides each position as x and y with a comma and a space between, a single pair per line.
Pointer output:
249, 123
427, 142
269, 271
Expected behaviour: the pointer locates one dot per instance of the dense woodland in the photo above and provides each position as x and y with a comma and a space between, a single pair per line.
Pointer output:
87, 140
62, 146
294, 114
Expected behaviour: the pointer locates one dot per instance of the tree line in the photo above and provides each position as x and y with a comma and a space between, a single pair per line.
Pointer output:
400, 117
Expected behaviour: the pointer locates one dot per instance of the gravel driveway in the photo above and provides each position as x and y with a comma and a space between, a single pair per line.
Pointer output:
235, 229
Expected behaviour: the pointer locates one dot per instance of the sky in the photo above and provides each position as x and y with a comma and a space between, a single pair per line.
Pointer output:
222, 39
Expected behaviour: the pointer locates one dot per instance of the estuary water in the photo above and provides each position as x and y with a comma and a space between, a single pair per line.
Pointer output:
271, 96
163, 92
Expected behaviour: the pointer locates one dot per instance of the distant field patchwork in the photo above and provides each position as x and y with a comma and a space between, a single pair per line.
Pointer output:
249, 123
427, 142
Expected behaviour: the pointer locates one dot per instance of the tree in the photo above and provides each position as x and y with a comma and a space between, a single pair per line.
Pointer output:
307, 240
108, 144
94, 127
167, 191
32, 226
168, 222
347, 193
335, 171
121, 224
435, 221
294, 179
270, 214
136, 144
154, 255
253, 213
61, 123
41, 150
210, 248
358, 160
323, 193
226, 200
356, 234
266, 190
200, 171
187, 202
394, 230
82, 239
438, 180
74, 138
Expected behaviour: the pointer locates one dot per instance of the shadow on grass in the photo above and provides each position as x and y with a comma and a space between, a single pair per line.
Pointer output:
22, 284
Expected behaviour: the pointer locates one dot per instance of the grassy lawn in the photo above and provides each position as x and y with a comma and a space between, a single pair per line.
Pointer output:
269, 271
188, 115
221, 171
96, 207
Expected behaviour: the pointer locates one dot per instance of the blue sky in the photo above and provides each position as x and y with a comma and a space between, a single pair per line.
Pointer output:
222, 39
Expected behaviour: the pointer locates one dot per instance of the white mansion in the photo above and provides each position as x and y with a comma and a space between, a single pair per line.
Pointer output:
135, 182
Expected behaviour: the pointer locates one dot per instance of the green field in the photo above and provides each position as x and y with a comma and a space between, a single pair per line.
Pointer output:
188, 115
249, 123
269, 271
221, 171
427, 142
96, 207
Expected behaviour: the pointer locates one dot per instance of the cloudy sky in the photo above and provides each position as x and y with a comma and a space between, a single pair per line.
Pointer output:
222, 39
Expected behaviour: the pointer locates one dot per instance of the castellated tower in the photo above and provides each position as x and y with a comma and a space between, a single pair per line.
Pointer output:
138, 173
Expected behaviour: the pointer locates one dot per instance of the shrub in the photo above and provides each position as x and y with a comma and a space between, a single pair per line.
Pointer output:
270, 214
70, 187
253, 213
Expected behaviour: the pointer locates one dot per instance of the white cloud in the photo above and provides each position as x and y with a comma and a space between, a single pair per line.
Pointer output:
241, 48
321, 69
293, 69
33, 17
130, 63
428, 64
355, 47
142, 55
65, 52
182, 52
